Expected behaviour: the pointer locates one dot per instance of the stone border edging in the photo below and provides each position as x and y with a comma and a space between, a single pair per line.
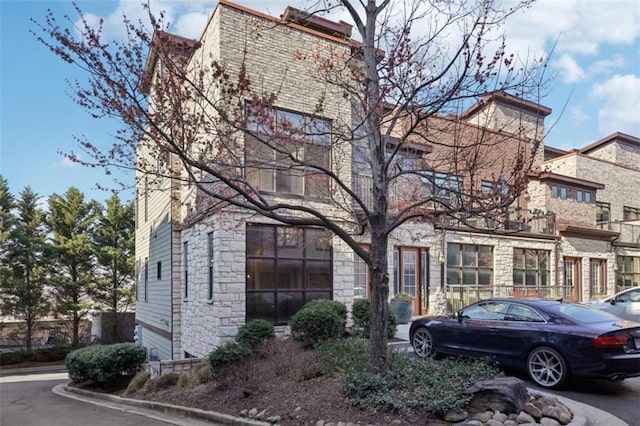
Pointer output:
583, 414
197, 413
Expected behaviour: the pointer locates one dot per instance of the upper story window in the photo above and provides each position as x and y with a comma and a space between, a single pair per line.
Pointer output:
443, 186
603, 212
283, 150
499, 187
630, 213
564, 193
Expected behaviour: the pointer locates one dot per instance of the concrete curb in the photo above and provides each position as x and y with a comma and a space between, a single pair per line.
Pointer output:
148, 408
583, 415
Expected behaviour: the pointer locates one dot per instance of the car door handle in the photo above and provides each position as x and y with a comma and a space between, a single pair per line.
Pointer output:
493, 330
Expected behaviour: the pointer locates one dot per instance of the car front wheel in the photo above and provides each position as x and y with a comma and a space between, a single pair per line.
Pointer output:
423, 343
547, 367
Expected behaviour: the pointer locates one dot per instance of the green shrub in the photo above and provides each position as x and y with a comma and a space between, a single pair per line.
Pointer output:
340, 356
316, 323
202, 372
361, 319
163, 382
138, 381
339, 307
57, 353
186, 379
421, 384
105, 364
228, 354
254, 333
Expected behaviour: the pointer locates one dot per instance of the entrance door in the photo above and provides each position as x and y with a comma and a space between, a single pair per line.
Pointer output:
572, 278
597, 278
410, 267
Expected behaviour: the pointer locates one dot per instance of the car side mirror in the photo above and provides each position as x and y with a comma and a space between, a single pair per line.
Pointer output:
613, 301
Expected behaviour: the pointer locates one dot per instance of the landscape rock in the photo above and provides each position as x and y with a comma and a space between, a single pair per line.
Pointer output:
243, 413
547, 421
274, 419
494, 422
253, 412
483, 416
455, 416
525, 417
501, 417
533, 411
505, 394
261, 415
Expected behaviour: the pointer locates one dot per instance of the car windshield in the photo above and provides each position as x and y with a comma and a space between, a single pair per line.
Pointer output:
581, 313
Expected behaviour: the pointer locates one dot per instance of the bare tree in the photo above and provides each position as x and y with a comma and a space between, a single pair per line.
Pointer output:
402, 85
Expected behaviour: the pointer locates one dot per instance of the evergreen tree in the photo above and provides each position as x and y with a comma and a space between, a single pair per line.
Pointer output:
72, 221
25, 256
114, 241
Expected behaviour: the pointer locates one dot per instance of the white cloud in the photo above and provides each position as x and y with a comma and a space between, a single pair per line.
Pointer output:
578, 115
605, 66
66, 162
570, 70
619, 104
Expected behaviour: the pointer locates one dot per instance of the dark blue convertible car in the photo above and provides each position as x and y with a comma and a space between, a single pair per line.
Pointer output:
551, 340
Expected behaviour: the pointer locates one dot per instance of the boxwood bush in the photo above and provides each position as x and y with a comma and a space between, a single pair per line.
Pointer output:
253, 333
228, 354
104, 365
317, 322
339, 307
361, 319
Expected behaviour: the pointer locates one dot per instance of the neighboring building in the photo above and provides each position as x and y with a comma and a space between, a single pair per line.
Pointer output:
574, 233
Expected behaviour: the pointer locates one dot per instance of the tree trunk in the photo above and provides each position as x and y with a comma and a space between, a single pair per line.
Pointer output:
379, 306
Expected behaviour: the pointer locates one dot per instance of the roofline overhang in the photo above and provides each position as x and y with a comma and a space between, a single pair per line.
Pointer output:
554, 177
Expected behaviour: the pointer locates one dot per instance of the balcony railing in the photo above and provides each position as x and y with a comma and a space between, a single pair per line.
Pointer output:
459, 296
526, 221
629, 232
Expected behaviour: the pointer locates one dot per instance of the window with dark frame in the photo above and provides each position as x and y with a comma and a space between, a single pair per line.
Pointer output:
185, 266
286, 268
360, 277
279, 135
159, 271
603, 212
530, 267
630, 213
469, 264
210, 264
628, 272
146, 279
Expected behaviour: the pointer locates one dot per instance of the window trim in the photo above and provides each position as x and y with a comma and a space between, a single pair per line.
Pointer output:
210, 265
460, 267
185, 267
537, 270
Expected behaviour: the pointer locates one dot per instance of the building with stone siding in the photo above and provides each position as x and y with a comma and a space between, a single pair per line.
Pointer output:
199, 280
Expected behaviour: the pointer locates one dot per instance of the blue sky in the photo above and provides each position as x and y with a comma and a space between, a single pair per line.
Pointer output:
596, 91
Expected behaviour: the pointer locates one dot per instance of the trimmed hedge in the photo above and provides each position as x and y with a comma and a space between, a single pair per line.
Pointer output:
228, 354
253, 333
339, 307
317, 322
361, 319
105, 364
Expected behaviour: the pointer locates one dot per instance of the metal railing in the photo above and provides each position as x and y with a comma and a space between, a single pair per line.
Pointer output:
629, 232
459, 296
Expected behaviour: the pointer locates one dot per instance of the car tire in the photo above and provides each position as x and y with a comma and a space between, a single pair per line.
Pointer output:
423, 343
547, 367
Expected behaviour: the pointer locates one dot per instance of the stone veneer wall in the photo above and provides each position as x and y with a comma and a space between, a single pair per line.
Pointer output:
585, 250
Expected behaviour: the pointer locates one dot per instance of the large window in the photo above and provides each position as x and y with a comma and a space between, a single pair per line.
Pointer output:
530, 267
603, 212
284, 151
286, 268
360, 278
469, 264
210, 264
628, 273
564, 192
444, 187
630, 213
